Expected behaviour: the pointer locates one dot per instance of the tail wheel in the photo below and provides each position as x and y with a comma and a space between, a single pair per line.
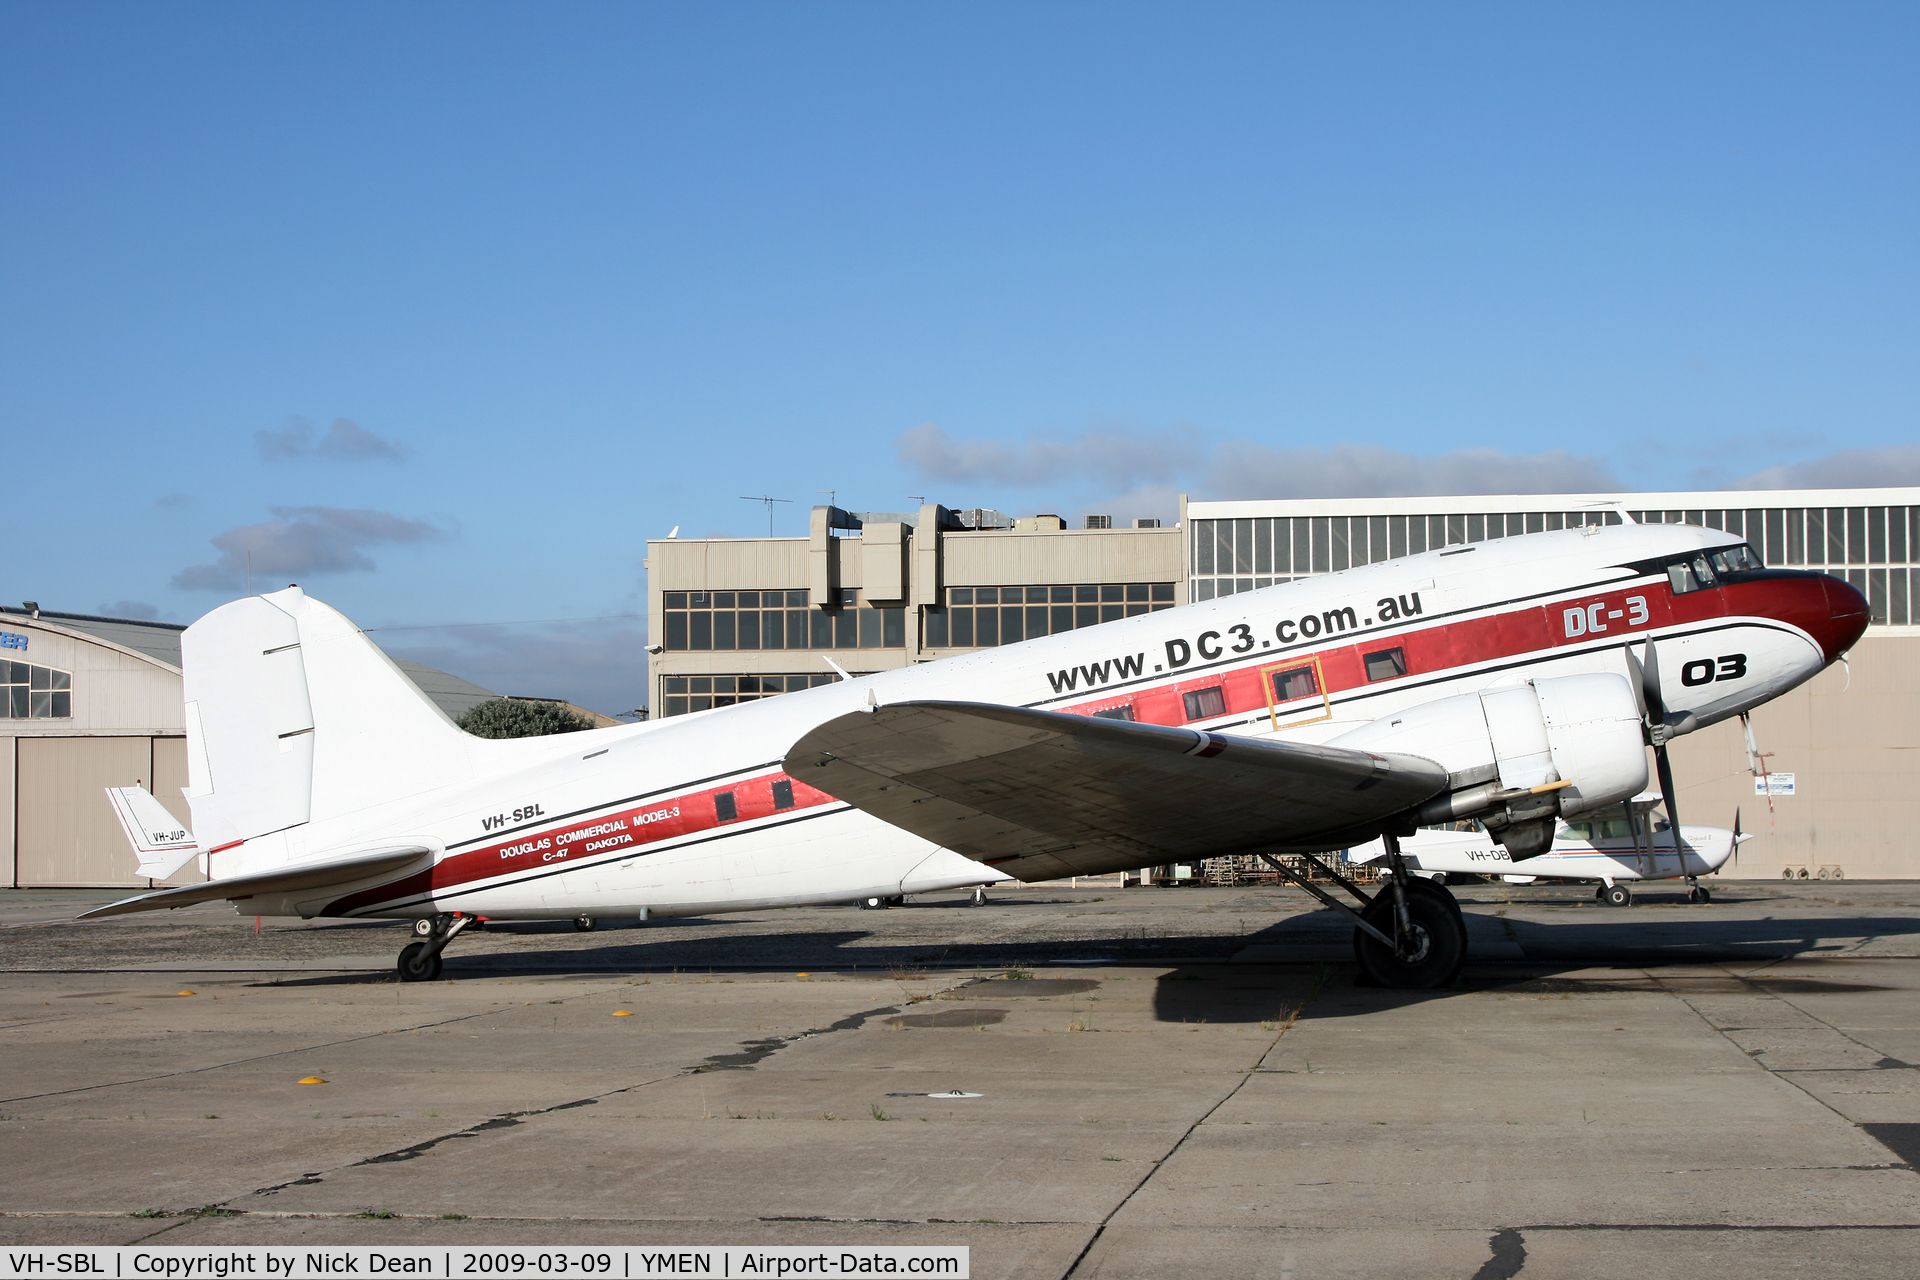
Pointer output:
419, 962
1436, 948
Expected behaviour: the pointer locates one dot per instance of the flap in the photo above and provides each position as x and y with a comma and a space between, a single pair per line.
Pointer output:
312, 875
1041, 794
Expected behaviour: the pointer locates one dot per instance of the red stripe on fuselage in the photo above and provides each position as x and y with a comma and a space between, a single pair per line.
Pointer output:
619, 833
1621, 612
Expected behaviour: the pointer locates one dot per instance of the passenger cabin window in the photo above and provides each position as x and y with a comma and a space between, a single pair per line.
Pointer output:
724, 807
1202, 703
1122, 712
29, 692
1386, 664
783, 794
1297, 682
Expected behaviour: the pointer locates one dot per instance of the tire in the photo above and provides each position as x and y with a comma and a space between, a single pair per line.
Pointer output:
1617, 896
1699, 894
585, 924
979, 897
1432, 911
418, 963
873, 904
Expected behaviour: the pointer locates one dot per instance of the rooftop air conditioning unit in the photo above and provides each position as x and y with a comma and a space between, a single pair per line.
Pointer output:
1099, 522
1147, 522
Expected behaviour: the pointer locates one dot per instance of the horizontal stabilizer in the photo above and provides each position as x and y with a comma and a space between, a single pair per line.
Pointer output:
161, 841
314, 875
1039, 794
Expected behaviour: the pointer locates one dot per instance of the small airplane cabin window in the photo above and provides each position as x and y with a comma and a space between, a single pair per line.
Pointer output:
724, 807
1202, 703
1122, 712
1386, 664
1296, 682
783, 794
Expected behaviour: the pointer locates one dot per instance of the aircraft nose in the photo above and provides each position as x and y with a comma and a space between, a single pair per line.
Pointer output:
1847, 615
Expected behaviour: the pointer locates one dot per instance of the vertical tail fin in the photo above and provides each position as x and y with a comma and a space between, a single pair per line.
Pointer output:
159, 841
293, 715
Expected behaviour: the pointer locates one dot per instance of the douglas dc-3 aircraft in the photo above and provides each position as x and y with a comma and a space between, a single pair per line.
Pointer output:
1517, 682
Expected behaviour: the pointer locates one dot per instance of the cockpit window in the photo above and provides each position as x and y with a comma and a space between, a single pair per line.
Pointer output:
1705, 569
1728, 561
1692, 574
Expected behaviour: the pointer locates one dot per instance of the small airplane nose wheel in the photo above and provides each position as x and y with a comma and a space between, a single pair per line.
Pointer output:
1699, 894
585, 924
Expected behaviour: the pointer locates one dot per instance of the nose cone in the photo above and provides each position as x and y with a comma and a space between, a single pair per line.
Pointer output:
1846, 617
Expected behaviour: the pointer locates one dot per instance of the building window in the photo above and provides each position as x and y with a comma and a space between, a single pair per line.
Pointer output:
35, 693
1205, 703
1388, 664
704, 620
683, 694
981, 617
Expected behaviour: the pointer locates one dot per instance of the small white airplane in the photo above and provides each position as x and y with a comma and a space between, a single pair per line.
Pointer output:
1614, 845
1516, 682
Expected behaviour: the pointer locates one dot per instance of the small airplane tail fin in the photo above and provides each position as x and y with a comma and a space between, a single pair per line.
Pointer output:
293, 716
159, 840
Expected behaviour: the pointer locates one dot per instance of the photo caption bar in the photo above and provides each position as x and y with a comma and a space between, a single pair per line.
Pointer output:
279, 1262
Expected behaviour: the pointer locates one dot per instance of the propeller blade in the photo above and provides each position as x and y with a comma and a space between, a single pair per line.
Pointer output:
1666, 795
1736, 835
1650, 680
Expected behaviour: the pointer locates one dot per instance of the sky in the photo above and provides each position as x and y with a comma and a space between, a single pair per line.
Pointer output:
443, 310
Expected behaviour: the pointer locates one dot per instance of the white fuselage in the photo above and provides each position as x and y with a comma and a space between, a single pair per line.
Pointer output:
694, 814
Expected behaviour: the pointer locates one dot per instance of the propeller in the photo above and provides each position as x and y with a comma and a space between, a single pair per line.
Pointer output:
1653, 709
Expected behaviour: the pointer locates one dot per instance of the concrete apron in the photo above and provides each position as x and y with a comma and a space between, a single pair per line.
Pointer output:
1246, 1119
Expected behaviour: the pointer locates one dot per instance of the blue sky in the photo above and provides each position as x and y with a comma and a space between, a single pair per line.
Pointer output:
442, 310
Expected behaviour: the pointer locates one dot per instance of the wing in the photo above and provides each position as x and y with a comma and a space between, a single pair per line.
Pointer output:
345, 873
1039, 794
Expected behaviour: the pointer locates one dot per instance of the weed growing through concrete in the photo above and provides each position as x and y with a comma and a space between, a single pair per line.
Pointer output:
376, 1213
878, 1114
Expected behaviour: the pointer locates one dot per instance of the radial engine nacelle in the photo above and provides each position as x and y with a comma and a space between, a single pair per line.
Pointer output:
1518, 757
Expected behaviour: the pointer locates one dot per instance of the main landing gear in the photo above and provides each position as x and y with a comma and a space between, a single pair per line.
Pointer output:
1614, 895
420, 961
1409, 934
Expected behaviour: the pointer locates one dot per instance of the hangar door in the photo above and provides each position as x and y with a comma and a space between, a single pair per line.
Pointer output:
65, 831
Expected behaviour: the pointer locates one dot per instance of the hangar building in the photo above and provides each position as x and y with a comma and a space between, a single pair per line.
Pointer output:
736, 619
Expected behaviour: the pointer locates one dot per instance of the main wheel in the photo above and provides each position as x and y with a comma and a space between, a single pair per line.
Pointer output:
1617, 895
979, 896
873, 904
418, 963
1439, 938
585, 924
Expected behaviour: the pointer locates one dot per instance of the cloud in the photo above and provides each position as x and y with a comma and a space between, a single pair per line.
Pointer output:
601, 664
1114, 459
130, 609
303, 541
345, 441
1140, 473
1243, 469
1888, 466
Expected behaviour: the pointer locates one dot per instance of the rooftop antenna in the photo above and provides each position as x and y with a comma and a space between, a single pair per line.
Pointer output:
769, 502
830, 495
